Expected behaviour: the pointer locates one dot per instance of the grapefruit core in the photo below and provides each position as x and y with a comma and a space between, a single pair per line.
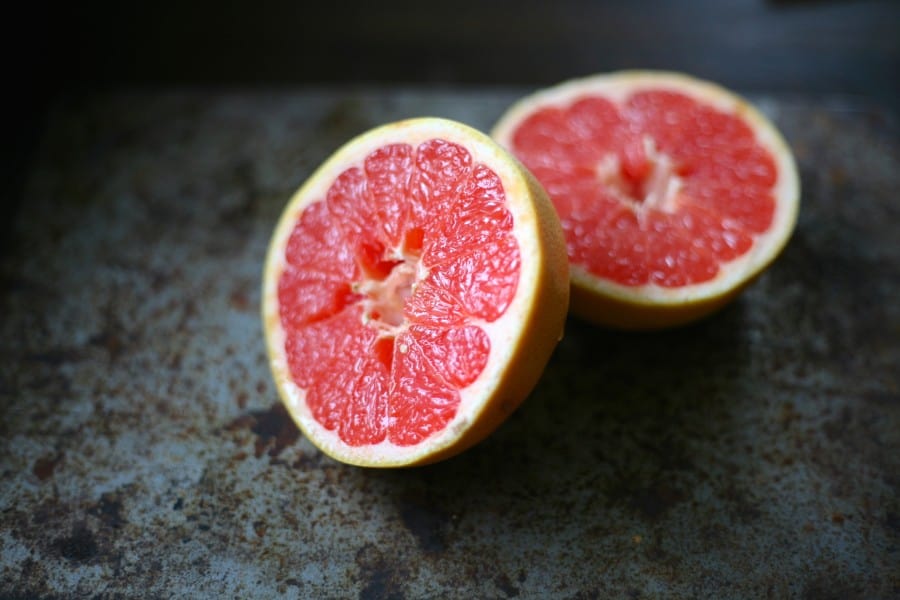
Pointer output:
414, 289
673, 193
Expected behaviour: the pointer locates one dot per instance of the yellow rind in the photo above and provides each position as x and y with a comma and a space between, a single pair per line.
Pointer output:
520, 349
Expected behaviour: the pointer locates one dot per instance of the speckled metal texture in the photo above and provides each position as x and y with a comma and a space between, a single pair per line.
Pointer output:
144, 452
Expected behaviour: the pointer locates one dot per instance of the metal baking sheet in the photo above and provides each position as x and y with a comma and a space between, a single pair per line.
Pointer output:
144, 452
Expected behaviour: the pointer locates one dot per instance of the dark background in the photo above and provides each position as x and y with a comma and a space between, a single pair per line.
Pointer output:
754, 452
803, 47
797, 46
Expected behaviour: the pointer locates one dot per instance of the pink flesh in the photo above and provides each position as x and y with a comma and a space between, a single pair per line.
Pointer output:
620, 222
386, 283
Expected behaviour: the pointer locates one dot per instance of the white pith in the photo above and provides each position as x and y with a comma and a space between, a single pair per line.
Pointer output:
618, 87
660, 189
384, 299
504, 333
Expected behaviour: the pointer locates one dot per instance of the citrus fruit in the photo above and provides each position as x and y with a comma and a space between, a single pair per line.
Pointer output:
673, 193
414, 289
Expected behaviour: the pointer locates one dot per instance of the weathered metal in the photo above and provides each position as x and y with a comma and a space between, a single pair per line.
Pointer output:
144, 452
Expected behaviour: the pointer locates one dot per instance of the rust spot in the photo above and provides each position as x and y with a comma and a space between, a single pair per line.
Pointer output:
109, 341
380, 578
259, 528
274, 428
239, 300
305, 461
837, 175
505, 584
109, 511
45, 466
242, 400
427, 524
242, 422
291, 520
838, 518
49, 510
788, 415
79, 546
261, 387
30, 570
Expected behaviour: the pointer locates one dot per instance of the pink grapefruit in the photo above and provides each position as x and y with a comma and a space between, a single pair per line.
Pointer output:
673, 193
415, 287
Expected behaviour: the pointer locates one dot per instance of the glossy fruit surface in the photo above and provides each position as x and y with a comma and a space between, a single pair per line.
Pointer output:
673, 193
414, 289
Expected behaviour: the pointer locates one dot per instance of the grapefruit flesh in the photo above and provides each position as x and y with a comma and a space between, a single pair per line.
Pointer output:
673, 193
408, 285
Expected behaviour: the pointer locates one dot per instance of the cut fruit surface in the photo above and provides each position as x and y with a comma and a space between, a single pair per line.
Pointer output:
673, 193
414, 288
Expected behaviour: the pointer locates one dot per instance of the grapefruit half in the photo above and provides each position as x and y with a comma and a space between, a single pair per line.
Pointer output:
673, 193
414, 289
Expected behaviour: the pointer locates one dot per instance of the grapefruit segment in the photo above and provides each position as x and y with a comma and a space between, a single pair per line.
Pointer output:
477, 217
482, 282
433, 305
318, 243
422, 402
673, 193
311, 295
457, 354
387, 171
414, 288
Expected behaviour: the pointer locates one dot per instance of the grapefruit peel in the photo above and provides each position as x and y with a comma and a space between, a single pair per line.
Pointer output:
651, 306
521, 339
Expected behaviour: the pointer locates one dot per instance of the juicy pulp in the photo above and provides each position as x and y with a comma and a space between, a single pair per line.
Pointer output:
387, 281
658, 189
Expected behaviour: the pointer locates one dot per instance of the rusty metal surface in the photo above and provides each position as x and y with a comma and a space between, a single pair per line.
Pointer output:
143, 452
